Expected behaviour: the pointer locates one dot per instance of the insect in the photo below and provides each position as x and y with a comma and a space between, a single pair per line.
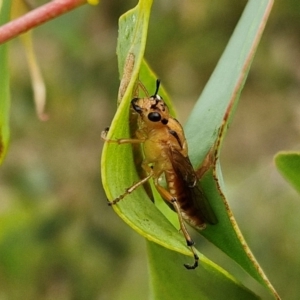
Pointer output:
165, 153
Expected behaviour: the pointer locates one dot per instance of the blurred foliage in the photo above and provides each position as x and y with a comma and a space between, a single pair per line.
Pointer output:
288, 164
58, 237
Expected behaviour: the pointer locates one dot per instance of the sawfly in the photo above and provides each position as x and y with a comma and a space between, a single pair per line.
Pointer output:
165, 154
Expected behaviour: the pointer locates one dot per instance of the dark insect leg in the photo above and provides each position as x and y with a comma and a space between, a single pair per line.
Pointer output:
130, 190
190, 243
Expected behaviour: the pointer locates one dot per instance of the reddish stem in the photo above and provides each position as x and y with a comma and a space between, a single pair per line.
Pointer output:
36, 17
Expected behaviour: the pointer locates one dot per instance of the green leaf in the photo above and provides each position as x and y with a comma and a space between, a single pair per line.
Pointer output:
205, 130
215, 109
4, 86
288, 164
170, 281
119, 172
133, 27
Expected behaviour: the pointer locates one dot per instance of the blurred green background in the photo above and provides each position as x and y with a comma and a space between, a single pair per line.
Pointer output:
58, 237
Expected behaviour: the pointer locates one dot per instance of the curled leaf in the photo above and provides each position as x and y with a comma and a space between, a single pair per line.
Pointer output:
205, 131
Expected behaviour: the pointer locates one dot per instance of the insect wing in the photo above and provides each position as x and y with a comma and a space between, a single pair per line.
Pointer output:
185, 171
204, 207
183, 168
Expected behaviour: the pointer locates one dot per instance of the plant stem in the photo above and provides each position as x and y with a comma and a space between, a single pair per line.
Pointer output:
36, 17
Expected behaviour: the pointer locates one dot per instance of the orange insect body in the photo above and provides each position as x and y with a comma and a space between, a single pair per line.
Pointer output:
166, 152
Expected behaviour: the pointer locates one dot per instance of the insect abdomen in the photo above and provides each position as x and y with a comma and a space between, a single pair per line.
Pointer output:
184, 197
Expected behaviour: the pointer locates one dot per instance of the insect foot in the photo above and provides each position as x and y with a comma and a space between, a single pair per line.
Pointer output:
195, 265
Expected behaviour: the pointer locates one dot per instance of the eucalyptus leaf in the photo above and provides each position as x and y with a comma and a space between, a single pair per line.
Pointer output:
205, 131
4, 85
215, 109
169, 281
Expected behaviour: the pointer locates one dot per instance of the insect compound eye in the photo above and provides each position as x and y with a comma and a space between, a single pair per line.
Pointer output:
154, 117
137, 108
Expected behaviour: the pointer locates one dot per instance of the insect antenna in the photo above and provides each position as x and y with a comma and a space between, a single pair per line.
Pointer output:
157, 88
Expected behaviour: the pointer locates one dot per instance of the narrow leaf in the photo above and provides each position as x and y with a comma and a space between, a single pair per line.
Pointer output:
205, 131
215, 109
119, 171
4, 85
19, 8
172, 282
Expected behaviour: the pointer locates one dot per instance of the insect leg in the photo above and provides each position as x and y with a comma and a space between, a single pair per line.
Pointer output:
140, 85
190, 243
119, 141
130, 189
188, 239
